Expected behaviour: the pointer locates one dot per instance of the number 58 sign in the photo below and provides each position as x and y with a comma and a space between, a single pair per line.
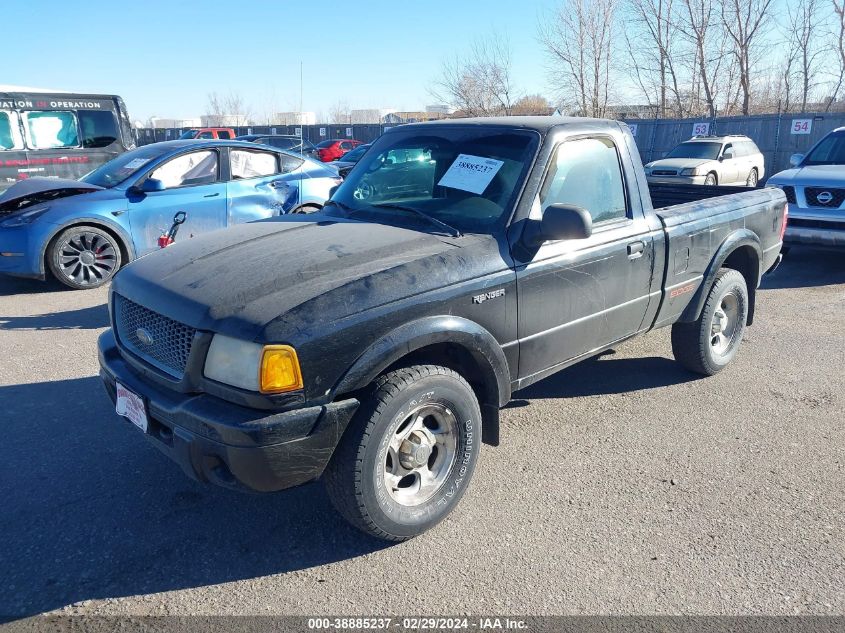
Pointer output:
801, 126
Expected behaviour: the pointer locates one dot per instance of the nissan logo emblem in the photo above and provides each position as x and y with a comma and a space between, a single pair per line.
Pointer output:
824, 197
144, 336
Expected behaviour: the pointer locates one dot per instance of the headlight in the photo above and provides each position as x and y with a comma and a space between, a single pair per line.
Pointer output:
264, 368
22, 219
690, 171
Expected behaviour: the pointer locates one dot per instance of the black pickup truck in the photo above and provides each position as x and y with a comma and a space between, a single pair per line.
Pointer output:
371, 345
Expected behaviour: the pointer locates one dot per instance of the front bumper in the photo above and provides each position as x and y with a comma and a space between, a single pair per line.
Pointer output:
817, 235
226, 444
676, 180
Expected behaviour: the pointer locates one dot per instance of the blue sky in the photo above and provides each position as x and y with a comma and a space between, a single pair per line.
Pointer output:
163, 58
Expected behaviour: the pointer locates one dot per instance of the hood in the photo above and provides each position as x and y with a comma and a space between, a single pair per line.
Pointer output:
237, 280
33, 191
678, 163
811, 176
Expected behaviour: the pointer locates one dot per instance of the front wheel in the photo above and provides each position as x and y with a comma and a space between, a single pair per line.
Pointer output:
409, 453
83, 257
710, 180
707, 345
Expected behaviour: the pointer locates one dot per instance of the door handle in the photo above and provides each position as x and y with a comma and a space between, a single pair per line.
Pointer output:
212, 195
635, 250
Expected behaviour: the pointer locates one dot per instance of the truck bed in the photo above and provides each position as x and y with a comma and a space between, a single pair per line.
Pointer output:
663, 195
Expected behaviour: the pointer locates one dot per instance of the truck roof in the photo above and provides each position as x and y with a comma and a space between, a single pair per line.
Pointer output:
539, 123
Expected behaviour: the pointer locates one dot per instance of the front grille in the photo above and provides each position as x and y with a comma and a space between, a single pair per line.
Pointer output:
816, 224
664, 172
790, 194
168, 342
833, 197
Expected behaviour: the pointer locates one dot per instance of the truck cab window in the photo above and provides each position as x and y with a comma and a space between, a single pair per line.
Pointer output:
586, 173
49, 130
10, 136
99, 128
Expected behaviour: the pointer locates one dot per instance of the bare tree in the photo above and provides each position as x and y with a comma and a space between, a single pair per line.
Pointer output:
839, 48
531, 104
228, 109
651, 36
699, 23
745, 23
340, 112
479, 83
578, 38
805, 50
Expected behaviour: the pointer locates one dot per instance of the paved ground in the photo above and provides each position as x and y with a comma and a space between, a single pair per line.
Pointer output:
623, 485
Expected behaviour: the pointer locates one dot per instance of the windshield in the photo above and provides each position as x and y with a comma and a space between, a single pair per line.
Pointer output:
326, 144
188, 134
465, 177
124, 166
355, 155
829, 151
708, 151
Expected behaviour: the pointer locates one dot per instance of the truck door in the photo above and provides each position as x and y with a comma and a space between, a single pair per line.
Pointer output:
576, 296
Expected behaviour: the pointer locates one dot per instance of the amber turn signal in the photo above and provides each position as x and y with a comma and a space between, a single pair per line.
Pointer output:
279, 369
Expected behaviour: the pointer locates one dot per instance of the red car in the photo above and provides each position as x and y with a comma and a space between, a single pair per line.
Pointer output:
333, 149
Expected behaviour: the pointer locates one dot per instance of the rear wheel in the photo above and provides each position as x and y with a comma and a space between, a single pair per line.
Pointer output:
409, 453
710, 180
84, 257
751, 181
707, 345
307, 208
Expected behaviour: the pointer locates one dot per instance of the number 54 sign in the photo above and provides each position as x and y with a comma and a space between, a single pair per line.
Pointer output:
801, 126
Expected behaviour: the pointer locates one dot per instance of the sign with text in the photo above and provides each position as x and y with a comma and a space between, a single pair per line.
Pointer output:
700, 129
298, 132
801, 126
272, 130
349, 131
633, 128
322, 131
471, 173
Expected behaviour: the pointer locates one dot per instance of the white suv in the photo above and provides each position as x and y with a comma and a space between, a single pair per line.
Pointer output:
710, 160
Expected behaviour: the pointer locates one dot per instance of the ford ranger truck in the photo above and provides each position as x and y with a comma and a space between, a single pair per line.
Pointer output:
372, 345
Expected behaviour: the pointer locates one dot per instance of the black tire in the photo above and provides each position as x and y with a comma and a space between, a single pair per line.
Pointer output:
694, 345
357, 476
751, 180
84, 257
711, 180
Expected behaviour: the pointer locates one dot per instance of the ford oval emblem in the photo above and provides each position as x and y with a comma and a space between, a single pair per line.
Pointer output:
824, 197
144, 336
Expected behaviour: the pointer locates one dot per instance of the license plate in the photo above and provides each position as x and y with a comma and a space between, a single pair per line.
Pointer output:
131, 406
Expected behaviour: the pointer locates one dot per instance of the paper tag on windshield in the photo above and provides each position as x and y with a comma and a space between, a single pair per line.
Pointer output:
135, 163
471, 173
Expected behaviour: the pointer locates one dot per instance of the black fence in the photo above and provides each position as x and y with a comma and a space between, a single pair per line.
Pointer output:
777, 135
314, 133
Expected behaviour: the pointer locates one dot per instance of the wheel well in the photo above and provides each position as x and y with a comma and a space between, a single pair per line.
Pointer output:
745, 260
715, 176
121, 244
459, 359
307, 205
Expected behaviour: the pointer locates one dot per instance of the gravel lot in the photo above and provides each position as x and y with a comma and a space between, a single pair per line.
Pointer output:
623, 485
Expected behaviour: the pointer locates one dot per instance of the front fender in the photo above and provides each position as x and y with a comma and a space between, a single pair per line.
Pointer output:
417, 335
736, 240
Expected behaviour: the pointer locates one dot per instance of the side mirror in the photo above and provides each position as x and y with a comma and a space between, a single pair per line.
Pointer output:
151, 185
561, 222
728, 154
796, 160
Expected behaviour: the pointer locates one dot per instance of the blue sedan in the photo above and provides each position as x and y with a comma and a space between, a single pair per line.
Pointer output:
83, 231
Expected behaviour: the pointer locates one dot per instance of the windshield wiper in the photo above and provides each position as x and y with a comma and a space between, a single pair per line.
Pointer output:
339, 205
451, 230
